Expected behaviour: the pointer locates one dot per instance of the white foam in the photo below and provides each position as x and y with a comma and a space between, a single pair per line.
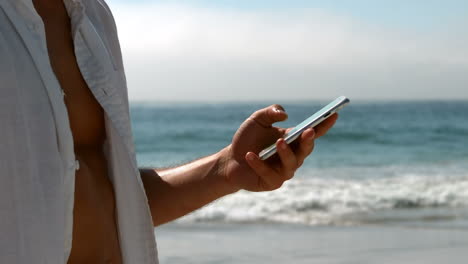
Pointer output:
330, 201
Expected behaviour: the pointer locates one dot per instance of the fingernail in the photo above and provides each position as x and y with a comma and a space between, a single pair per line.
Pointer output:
313, 134
282, 144
310, 138
250, 156
278, 110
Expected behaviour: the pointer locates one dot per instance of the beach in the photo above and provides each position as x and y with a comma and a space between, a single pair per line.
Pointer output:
273, 243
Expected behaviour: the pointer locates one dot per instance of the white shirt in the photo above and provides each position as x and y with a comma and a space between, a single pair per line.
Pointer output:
37, 162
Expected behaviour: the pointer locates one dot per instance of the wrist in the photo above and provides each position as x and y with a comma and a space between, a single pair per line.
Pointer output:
224, 158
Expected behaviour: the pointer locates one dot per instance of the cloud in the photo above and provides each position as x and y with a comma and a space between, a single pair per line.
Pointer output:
181, 52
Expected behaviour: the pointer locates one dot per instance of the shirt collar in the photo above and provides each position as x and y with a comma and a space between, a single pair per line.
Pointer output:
75, 10
29, 2
71, 5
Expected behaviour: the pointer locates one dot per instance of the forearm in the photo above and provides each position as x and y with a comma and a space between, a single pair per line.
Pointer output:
178, 191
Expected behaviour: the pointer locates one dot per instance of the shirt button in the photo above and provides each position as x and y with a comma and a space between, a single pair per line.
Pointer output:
77, 165
74, 165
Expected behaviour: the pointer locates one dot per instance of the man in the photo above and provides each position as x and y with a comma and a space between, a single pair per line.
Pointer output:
70, 191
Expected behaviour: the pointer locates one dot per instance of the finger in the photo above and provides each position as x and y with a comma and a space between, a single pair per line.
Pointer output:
306, 145
267, 175
287, 130
323, 127
288, 159
270, 115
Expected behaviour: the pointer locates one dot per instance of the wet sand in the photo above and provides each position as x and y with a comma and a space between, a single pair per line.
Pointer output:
281, 243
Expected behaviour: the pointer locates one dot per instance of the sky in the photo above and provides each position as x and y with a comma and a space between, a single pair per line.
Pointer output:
288, 50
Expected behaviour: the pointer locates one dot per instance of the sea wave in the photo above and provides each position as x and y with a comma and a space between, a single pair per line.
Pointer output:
322, 201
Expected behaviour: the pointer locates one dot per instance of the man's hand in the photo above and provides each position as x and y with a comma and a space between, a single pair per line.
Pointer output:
243, 169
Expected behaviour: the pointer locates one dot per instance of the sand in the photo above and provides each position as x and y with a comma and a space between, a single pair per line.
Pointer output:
281, 243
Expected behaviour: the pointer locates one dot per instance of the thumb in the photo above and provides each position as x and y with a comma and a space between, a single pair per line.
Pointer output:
270, 115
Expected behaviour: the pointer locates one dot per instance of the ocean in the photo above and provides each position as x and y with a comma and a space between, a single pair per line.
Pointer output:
383, 163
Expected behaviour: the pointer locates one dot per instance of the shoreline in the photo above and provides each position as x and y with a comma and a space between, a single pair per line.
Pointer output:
288, 243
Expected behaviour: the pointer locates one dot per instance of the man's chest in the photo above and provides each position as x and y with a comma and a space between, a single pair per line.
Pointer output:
85, 113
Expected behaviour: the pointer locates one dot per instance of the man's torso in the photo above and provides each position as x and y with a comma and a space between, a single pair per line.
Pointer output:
95, 238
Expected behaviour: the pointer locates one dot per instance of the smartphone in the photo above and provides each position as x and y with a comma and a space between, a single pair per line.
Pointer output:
312, 121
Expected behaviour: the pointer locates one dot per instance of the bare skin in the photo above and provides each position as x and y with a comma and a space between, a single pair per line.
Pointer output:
95, 237
173, 192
